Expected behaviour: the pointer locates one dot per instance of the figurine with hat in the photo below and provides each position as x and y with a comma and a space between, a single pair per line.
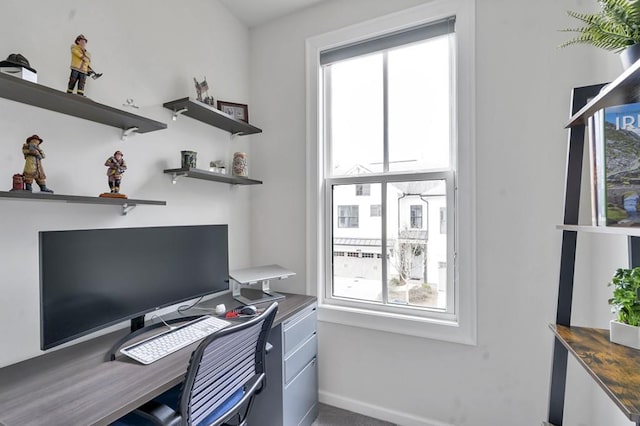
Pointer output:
80, 66
33, 156
116, 166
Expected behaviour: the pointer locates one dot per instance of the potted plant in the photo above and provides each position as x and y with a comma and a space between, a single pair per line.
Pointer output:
625, 302
616, 27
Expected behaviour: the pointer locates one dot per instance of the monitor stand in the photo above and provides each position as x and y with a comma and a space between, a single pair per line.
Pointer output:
259, 276
251, 296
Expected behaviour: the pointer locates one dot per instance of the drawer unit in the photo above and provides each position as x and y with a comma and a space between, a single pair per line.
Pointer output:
298, 359
300, 371
291, 395
298, 329
301, 397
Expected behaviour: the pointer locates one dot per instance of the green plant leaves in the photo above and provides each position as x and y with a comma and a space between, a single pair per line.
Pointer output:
625, 301
615, 27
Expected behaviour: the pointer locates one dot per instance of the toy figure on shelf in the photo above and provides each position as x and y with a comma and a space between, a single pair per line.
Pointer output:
202, 91
116, 167
80, 66
33, 170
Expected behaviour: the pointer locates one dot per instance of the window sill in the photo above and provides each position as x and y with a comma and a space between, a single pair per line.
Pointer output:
427, 328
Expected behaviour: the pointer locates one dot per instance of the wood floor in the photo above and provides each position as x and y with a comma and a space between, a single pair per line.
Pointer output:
332, 416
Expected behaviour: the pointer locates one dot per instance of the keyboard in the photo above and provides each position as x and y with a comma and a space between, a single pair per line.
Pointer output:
161, 345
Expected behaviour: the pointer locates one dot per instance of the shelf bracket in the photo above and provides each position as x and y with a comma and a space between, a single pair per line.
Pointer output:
175, 176
127, 132
126, 208
177, 112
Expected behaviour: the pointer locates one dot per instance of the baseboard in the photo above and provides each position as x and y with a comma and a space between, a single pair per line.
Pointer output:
375, 411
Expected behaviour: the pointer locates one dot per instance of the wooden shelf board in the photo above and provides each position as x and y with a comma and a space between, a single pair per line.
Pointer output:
612, 230
44, 196
16, 89
614, 367
622, 90
207, 175
212, 116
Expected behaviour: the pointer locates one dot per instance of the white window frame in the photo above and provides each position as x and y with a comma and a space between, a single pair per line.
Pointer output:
459, 327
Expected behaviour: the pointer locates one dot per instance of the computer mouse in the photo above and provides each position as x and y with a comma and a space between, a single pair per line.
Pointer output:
248, 310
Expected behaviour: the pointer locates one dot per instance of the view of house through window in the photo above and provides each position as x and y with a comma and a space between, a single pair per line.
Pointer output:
389, 172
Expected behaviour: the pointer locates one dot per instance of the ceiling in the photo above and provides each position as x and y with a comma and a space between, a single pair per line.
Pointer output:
256, 12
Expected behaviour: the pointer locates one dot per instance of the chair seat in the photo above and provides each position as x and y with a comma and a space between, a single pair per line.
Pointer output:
171, 398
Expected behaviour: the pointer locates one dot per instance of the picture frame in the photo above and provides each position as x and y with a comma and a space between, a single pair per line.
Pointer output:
237, 111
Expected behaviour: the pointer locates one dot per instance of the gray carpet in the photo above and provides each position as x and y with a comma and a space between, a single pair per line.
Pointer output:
332, 416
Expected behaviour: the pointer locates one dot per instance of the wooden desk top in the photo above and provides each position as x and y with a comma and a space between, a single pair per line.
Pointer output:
76, 386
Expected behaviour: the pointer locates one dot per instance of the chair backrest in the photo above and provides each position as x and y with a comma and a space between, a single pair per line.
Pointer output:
224, 363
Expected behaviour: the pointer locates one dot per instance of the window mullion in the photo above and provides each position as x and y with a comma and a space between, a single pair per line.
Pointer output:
385, 113
385, 169
383, 242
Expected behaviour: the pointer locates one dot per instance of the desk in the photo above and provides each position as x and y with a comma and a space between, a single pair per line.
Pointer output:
76, 386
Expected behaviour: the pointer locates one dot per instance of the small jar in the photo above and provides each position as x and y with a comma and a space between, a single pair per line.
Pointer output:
188, 159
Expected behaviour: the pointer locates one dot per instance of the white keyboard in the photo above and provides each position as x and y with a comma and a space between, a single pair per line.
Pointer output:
161, 345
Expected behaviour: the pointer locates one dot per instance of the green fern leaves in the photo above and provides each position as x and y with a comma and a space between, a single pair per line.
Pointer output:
615, 27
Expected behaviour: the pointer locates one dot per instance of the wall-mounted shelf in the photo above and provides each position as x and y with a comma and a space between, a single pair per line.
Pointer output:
26, 92
127, 204
207, 175
211, 116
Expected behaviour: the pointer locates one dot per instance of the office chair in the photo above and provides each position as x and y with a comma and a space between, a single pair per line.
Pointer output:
225, 372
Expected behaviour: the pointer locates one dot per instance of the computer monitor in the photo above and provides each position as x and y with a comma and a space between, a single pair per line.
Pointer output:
92, 279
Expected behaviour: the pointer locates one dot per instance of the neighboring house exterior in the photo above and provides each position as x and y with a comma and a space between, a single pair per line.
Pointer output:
418, 222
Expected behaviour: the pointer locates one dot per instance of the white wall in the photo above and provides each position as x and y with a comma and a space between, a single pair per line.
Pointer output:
148, 50
523, 93
151, 50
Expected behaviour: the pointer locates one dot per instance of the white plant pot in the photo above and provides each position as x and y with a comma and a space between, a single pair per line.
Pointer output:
625, 334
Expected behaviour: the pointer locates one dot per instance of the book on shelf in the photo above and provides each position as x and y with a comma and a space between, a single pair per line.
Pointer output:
614, 142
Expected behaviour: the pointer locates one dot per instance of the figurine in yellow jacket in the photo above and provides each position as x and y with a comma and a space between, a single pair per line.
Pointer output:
80, 66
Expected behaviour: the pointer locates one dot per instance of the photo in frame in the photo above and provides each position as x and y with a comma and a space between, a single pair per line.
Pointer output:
237, 111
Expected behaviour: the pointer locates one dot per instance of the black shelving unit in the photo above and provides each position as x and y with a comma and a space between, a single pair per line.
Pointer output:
37, 95
603, 360
211, 116
127, 204
207, 175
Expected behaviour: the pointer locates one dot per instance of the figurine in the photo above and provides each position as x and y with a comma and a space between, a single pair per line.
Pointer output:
33, 170
80, 66
116, 167
203, 89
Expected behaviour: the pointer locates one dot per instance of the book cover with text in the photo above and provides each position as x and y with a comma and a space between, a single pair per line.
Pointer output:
615, 154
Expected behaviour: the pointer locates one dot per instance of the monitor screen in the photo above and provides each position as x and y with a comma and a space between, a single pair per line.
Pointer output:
91, 279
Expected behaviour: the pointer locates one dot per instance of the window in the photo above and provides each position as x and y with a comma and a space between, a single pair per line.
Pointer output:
363, 189
374, 103
387, 119
416, 217
348, 216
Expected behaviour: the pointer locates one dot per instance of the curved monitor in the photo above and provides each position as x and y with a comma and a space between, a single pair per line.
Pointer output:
92, 279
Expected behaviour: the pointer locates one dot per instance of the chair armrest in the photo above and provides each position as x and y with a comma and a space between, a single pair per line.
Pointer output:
159, 414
